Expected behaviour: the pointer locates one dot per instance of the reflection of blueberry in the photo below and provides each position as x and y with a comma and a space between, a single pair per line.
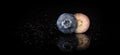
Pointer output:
66, 43
66, 23
65, 46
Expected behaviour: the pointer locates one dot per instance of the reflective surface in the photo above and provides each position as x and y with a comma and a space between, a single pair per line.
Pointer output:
36, 31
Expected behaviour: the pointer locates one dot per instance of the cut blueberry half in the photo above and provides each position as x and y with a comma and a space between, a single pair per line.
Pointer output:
67, 23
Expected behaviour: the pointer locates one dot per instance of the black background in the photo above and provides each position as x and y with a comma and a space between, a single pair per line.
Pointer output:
103, 29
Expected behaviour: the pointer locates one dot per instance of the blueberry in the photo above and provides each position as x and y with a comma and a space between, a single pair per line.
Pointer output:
67, 23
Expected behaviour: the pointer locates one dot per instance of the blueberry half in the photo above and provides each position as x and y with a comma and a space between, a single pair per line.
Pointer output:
67, 23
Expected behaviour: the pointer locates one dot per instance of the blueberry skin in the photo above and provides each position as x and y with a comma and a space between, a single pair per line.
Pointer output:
67, 23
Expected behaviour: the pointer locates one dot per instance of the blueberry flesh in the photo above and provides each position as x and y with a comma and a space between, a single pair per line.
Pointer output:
67, 23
